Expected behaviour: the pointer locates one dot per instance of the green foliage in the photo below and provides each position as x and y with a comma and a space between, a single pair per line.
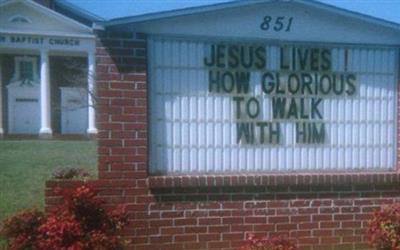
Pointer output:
69, 173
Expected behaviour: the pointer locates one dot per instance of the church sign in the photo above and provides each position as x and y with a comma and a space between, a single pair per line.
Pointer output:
296, 90
45, 42
229, 106
39, 40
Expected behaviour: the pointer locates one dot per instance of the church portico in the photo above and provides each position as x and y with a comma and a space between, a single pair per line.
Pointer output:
39, 92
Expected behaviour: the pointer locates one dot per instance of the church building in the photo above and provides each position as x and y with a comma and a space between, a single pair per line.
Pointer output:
47, 69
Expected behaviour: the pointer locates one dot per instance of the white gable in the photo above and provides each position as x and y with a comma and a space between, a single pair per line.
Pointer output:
26, 17
308, 24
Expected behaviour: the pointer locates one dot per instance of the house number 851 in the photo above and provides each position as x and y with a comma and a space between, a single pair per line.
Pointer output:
277, 24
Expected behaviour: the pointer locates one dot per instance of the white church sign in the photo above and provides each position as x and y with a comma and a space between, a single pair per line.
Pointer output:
227, 106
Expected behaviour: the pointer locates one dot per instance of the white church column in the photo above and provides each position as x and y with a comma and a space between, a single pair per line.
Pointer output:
45, 116
1, 100
92, 130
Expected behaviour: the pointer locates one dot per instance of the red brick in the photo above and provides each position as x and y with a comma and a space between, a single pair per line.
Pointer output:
202, 229
277, 204
343, 232
195, 245
232, 220
300, 218
185, 237
233, 236
322, 232
255, 220
219, 229
161, 239
309, 240
286, 227
210, 237
264, 228
329, 224
343, 217
319, 217
330, 240
172, 230
184, 222
278, 219
242, 228
217, 244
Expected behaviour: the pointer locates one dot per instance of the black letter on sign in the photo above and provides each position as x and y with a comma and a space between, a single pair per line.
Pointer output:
351, 83
326, 60
245, 130
253, 113
238, 101
318, 133
233, 56
314, 108
242, 82
267, 89
274, 133
221, 56
261, 57
213, 81
278, 107
211, 62
228, 82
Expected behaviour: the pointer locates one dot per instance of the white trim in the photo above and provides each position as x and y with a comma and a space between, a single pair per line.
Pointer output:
180, 12
45, 112
233, 39
237, 4
91, 78
11, 19
47, 34
49, 12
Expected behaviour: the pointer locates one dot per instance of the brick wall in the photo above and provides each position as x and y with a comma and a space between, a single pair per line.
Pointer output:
318, 211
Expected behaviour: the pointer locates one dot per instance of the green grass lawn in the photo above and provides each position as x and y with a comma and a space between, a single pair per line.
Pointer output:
26, 165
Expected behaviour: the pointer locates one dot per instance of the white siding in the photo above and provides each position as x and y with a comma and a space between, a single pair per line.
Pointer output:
194, 131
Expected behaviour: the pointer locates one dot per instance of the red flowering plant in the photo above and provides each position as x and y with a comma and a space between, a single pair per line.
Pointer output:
80, 223
22, 228
265, 243
384, 229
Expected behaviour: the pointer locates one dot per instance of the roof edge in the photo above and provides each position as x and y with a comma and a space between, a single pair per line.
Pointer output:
79, 11
240, 3
51, 12
351, 13
181, 12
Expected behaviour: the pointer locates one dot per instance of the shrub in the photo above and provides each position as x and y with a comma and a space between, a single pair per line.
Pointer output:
384, 229
69, 173
23, 229
265, 243
61, 232
80, 223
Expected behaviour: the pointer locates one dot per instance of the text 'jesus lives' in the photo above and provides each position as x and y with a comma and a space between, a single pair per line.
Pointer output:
295, 90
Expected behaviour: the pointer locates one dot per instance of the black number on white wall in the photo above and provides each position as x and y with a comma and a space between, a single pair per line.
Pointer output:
278, 24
